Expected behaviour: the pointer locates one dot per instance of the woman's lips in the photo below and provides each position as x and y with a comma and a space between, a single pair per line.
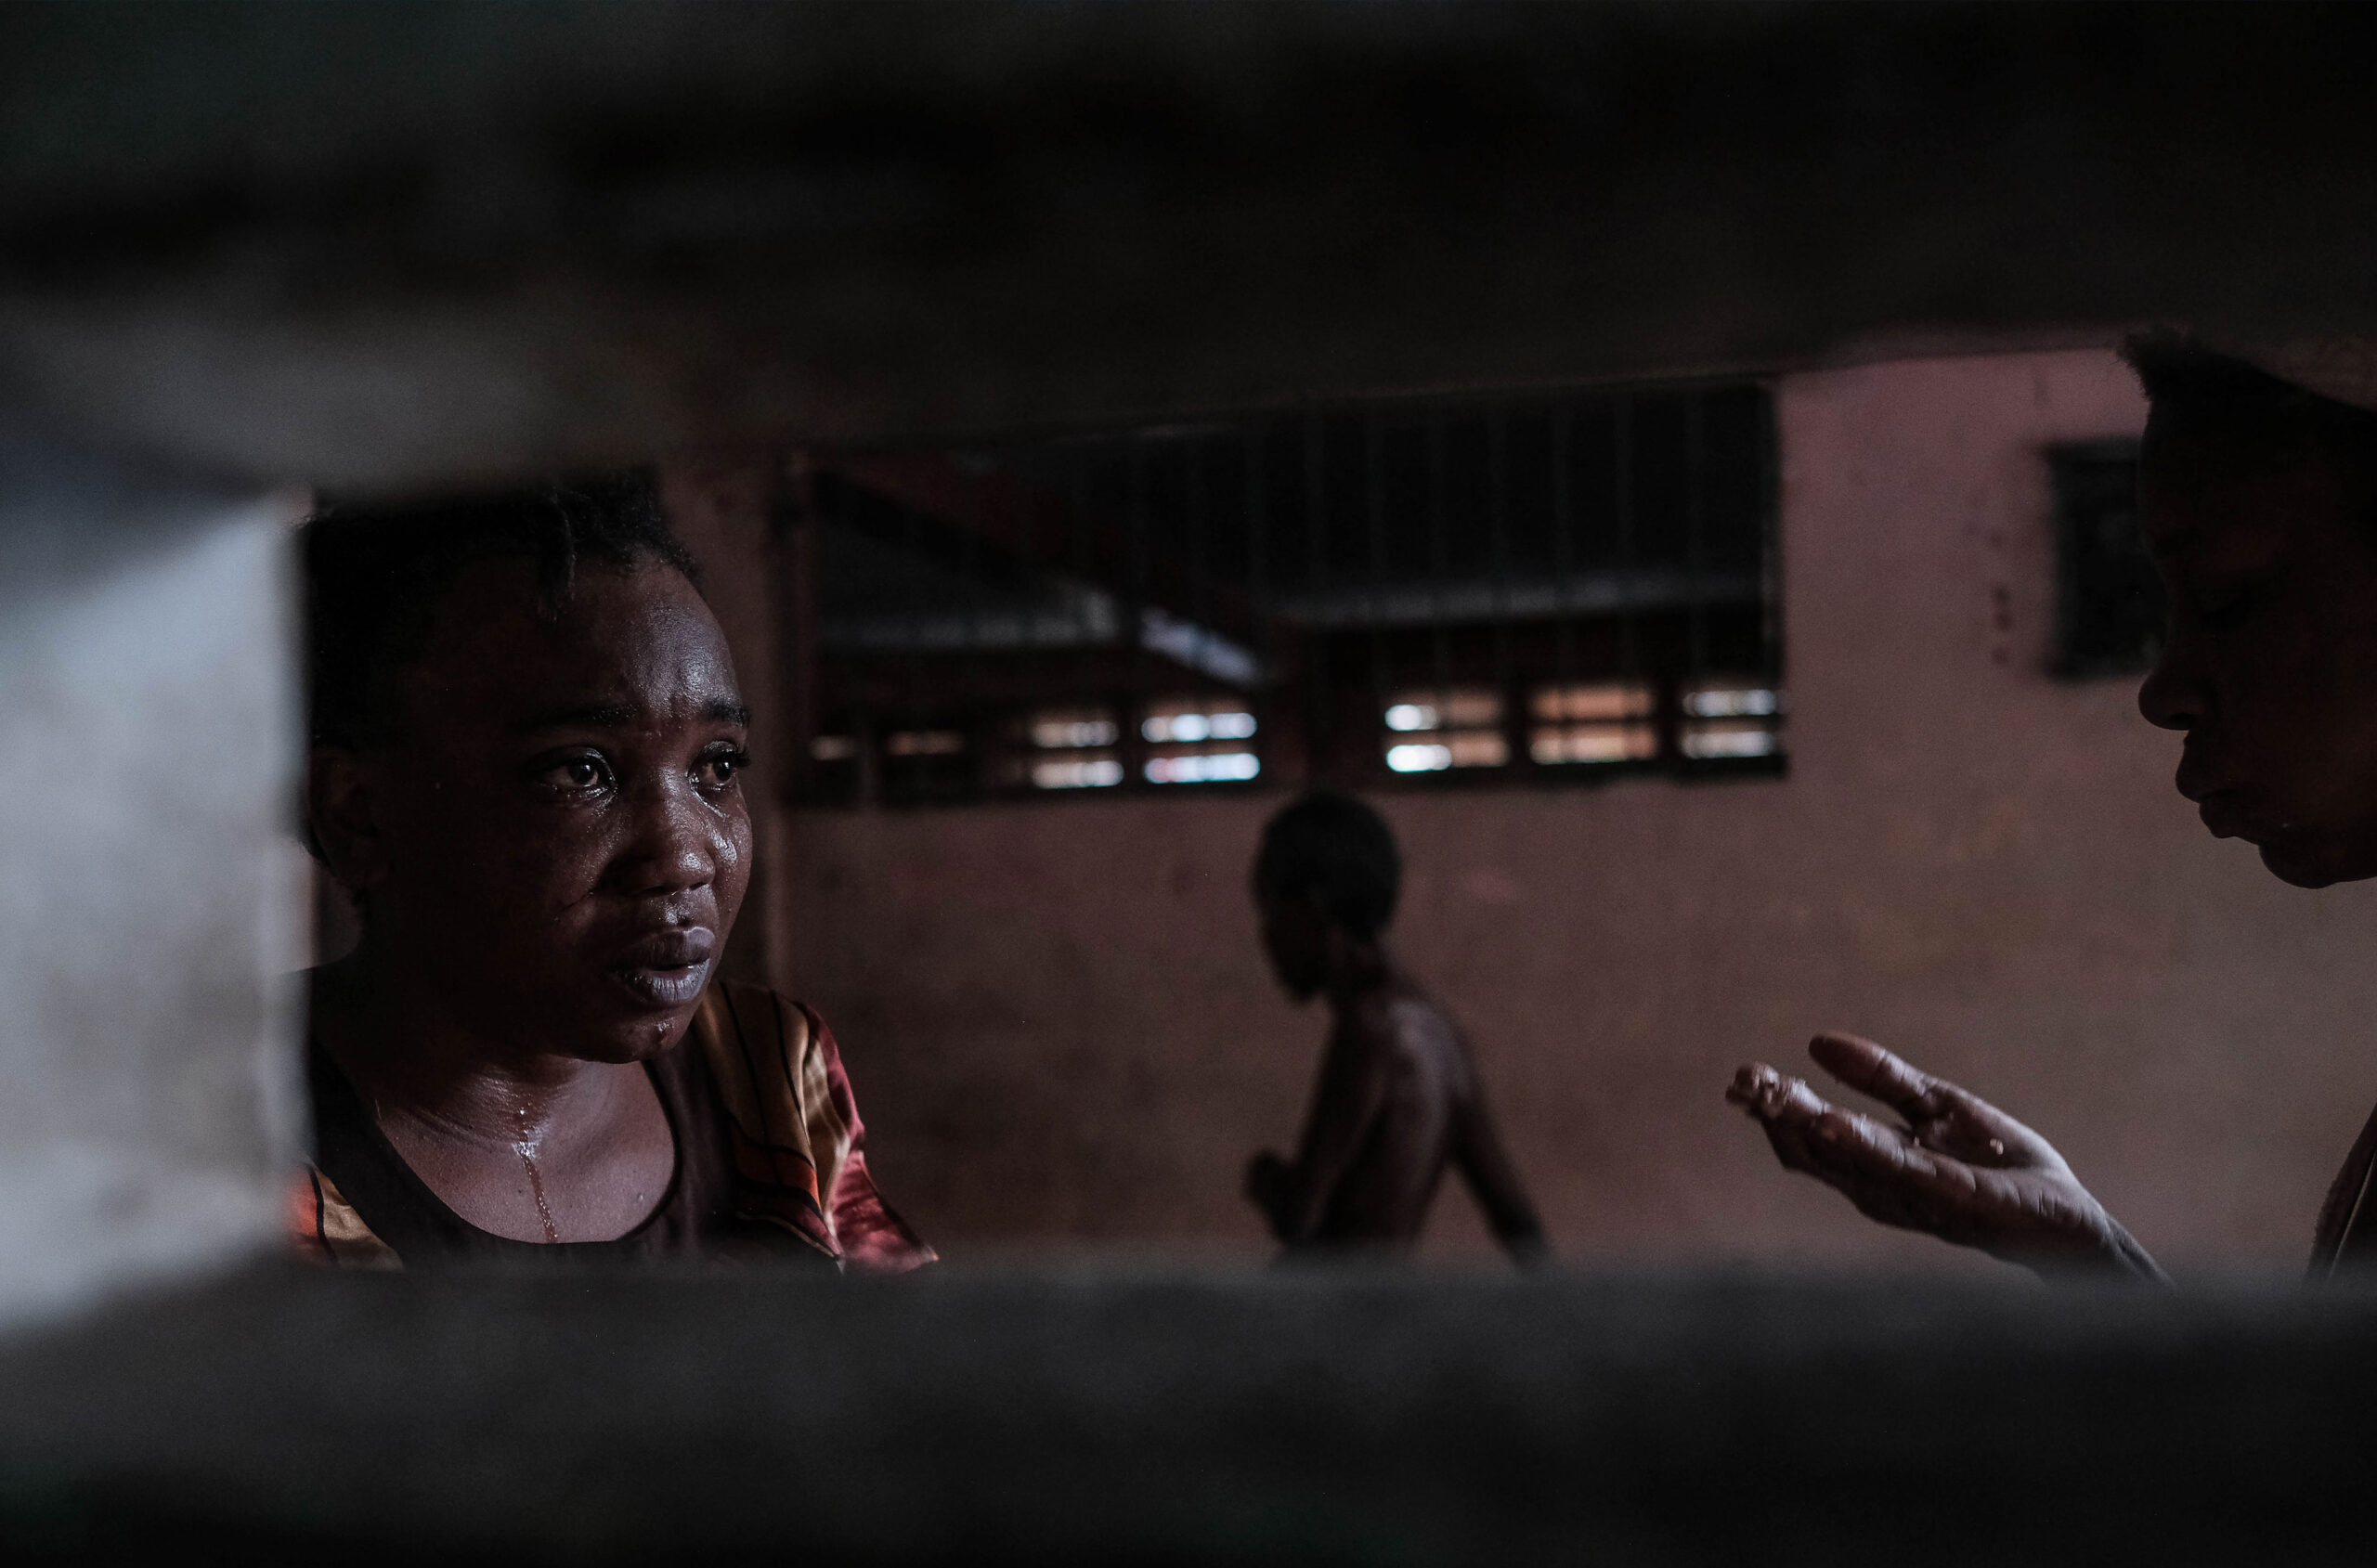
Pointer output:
666, 969
2225, 815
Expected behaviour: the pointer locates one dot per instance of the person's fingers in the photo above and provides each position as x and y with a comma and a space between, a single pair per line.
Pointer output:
1789, 1141
1751, 1081
1870, 1070
1863, 1146
1882, 1170
1950, 1196
1945, 1116
1768, 1095
1894, 1181
1877, 1197
1787, 1109
1897, 1178
1783, 1106
1888, 1169
1853, 1155
1972, 1128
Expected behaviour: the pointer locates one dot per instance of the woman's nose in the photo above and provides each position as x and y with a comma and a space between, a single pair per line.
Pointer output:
673, 850
2172, 695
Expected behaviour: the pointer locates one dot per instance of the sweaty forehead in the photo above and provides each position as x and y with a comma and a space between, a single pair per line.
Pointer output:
637, 642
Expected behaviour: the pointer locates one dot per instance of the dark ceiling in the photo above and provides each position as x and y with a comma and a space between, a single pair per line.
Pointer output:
411, 243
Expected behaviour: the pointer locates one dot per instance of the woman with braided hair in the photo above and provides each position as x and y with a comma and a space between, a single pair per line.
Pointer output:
524, 771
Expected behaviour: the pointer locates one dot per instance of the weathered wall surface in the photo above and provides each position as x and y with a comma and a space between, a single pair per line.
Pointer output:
1061, 1029
151, 895
400, 244
1254, 1418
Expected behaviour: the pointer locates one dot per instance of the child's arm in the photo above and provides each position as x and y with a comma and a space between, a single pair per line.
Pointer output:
1478, 1149
1295, 1195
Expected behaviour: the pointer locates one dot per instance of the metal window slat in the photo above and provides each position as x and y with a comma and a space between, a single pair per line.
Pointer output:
1696, 494
1473, 542
1564, 523
1439, 553
1497, 523
1321, 725
1374, 486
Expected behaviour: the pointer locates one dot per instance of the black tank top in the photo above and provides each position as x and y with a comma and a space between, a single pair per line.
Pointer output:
694, 1220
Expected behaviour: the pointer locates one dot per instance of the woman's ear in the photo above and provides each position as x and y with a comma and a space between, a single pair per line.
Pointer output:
338, 814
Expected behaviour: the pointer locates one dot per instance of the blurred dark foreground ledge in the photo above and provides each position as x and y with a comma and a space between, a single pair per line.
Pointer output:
1183, 1416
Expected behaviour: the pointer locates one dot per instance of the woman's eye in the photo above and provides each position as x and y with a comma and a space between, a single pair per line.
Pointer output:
577, 774
719, 768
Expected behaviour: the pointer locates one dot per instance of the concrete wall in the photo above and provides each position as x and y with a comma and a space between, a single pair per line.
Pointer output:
1061, 1030
151, 897
389, 244
1256, 1419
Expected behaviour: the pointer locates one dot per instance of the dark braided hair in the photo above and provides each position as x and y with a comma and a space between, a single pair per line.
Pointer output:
1338, 853
375, 575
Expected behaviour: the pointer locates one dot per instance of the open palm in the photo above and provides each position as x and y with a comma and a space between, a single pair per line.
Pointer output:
1959, 1168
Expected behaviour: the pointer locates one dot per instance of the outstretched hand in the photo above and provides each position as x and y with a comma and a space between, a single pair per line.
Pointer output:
1960, 1169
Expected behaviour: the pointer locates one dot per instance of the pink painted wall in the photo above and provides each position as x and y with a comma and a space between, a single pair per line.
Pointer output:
1062, 1034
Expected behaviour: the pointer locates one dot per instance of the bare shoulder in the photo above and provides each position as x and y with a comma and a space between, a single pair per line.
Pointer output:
1418, 1026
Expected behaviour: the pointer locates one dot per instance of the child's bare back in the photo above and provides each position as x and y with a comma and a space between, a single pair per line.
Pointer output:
1398, 1097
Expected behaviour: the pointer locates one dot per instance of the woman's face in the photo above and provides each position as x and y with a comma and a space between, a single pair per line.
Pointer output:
556, 841
2271, 665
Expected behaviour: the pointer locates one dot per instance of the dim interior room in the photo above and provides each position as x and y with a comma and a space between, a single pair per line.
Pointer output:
1674, 460
1954, 832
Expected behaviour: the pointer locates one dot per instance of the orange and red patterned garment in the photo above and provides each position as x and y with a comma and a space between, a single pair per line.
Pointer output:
758, 1082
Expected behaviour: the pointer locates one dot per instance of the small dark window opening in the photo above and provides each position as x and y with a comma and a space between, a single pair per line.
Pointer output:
2108, 598
1547, 590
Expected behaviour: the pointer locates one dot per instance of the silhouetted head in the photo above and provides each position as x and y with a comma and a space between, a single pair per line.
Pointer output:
1325, 881
2259, 500
526, 741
